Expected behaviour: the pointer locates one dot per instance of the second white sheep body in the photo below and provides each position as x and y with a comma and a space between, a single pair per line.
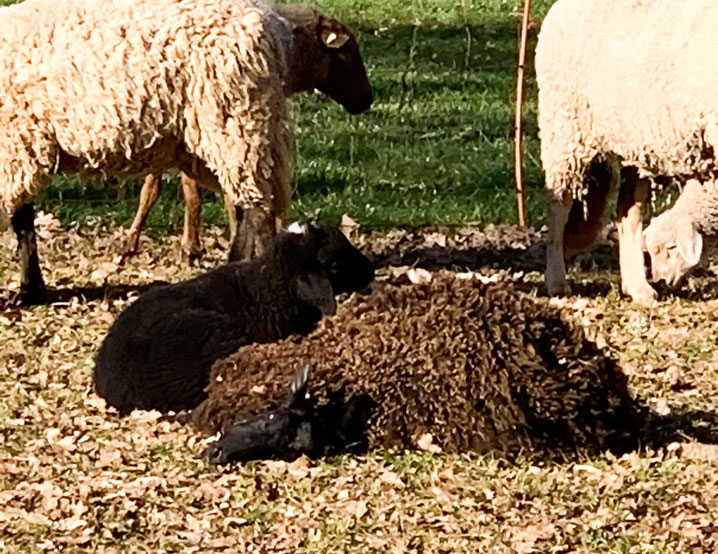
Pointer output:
123, 85
629, 84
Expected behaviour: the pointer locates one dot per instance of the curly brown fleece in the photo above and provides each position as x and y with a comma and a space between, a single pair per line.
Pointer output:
479, 367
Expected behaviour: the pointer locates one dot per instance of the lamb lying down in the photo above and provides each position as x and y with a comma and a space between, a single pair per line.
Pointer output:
159, 352
476, 367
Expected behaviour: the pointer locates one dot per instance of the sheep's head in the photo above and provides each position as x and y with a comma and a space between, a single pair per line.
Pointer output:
325, 263
674, 248
282, 433
327, 58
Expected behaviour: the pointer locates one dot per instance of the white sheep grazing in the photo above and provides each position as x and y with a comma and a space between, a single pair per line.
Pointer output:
674, 239
626, 90
130, 86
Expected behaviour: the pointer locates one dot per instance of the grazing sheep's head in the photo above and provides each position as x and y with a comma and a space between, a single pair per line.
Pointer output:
282, 433
674, 248
327, 58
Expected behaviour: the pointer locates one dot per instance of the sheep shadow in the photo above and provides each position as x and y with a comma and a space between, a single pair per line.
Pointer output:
592, 274
584, 268
468, 259
60, 296
698, 425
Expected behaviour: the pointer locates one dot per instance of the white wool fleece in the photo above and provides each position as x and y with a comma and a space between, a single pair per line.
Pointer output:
628, 80
132, 85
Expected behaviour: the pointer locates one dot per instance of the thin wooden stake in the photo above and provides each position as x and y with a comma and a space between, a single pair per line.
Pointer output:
518, 159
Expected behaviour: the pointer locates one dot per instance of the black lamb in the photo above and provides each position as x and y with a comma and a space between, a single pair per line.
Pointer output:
159, 352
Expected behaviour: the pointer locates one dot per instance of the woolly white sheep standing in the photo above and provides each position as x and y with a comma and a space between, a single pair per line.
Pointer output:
129, 86
325, 57
626, 92
674, 239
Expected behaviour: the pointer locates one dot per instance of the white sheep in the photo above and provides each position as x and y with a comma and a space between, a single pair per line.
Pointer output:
322, 61
626, 90
674, 239
129, 86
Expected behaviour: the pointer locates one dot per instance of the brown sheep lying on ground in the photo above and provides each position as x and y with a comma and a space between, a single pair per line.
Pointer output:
478, 367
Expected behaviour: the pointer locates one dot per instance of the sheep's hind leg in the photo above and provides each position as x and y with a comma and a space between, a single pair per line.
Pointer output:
148, 196
232, 214
191, 249
253, 230
32, 285
559, 210
631, 197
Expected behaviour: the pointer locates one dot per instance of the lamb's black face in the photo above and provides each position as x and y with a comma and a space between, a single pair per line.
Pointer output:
327, 249
348, 269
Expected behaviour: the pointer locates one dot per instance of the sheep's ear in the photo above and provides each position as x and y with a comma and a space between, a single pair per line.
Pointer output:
689, 242
314, 288
332, 33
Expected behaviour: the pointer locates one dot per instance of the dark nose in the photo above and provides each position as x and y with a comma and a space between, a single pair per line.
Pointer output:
354, 272
364, 274
355, 108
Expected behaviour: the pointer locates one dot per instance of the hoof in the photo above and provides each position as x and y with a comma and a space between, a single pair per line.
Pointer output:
29, 297
190, 257
131, 246
559, 289
645, 295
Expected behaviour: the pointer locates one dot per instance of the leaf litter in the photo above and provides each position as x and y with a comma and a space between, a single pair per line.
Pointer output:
75, 477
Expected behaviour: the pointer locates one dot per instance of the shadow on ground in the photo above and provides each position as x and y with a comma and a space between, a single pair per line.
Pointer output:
84, 294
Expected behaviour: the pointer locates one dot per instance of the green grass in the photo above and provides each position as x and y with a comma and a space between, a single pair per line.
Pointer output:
436, 147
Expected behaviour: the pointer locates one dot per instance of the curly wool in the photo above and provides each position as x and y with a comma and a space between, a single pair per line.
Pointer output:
628, 81
479, 367
141, 85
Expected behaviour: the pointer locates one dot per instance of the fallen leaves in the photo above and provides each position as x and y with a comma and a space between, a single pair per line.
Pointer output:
74, 476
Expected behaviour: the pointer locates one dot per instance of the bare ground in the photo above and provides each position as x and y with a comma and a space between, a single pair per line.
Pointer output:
76, 477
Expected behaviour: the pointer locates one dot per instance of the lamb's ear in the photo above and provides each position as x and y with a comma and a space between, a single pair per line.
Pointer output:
314, 288
332, 33
689, 242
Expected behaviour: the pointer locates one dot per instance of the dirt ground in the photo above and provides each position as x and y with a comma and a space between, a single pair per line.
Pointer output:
76, 477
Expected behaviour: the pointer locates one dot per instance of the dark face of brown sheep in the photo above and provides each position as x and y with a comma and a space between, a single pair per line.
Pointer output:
299, 427
325, 56
346, 81
283, 433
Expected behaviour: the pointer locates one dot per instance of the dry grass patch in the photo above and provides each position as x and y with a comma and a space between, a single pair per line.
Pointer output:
75, 477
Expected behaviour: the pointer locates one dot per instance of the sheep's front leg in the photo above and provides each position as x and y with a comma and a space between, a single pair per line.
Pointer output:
555, 265
253, 230
631, 197
32, 286
191, 249
148, 196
